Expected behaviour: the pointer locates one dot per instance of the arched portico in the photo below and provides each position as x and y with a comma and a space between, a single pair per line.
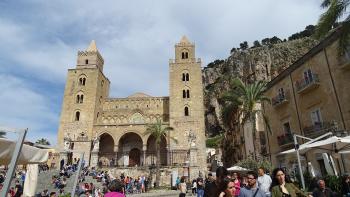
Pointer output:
151, 153
130, 150
106, 154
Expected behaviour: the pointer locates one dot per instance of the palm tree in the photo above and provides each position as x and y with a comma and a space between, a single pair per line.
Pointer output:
336, 10
241, 102
159, 131
43, 141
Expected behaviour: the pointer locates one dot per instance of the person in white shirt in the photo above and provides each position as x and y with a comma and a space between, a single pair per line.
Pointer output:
264, 181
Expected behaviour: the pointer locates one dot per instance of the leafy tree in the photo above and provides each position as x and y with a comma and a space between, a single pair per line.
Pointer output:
254, 165
43, 141
275, 40
213, 142
256, 44
233, 50
159, 131
265, 41
241, 101
244, 45
336, 10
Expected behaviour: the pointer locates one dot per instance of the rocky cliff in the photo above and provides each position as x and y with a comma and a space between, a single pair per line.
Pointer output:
258, 63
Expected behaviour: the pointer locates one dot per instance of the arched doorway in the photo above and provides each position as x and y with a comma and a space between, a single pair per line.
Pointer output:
134, 157
129, 147
151, 154
106, 154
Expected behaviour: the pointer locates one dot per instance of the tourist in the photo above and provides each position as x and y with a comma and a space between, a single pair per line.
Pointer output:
177, 182
45, 193
264, 181
18, 189
228, 188
200, 187
322, 190
182, 187
346, 186
281, 187
237, 183
115, 189
194, 187
252, 189
53, 194
213, 189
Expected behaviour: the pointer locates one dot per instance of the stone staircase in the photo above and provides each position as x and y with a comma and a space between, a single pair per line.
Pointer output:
44, 182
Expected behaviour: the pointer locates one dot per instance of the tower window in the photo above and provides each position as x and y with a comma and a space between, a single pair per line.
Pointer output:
184, 55
77, 116
186, 111
187, 77
183, 77
188, 93
183, 93
86, 61
80, 98
82, 81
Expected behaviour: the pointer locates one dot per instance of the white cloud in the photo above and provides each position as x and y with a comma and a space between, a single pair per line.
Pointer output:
21, 107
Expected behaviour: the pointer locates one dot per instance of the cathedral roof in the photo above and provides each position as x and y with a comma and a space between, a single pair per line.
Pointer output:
138, 95
184, 39
92, 46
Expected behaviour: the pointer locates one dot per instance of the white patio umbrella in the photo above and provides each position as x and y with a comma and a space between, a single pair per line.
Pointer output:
237, 168
30, 156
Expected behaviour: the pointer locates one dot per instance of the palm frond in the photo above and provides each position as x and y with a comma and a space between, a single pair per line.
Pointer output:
325, 3
336, 9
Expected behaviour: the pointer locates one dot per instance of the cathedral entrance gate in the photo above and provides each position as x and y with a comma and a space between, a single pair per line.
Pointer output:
129, 150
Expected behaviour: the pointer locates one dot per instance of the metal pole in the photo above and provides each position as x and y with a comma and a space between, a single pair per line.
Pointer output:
299, 163
77, 176
14, 160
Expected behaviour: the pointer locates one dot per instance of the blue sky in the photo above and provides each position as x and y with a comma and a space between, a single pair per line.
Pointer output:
39, 41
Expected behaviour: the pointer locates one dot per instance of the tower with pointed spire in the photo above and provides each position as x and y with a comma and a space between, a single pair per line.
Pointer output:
186, 103
91, 57
86, 88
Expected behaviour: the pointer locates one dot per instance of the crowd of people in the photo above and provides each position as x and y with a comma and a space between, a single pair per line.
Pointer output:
255, 184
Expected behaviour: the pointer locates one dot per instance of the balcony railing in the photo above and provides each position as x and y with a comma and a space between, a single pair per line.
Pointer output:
320, 128
280, 99
306, 84
285, 139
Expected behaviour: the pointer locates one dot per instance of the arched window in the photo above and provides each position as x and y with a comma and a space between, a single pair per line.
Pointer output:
82, 81
188, 94
80, 98
183, 93
184, 55
183, 77
77, 116
187, 77
86, 61
186, 111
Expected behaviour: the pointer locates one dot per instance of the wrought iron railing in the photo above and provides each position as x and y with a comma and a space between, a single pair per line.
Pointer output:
284, 139
319, 128
307, 82
279, 99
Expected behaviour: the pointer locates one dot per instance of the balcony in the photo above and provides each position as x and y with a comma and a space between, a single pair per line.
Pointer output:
279, 100
285, 140
320, 128
307, 84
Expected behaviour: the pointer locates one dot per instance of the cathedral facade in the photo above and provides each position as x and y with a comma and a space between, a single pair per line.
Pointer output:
111, 131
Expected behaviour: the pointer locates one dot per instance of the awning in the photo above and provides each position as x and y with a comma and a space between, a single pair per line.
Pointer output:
342, 145
237, 168
28, 155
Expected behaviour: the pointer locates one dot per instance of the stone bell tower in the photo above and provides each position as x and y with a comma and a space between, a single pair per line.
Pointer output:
186, 104
85, 90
